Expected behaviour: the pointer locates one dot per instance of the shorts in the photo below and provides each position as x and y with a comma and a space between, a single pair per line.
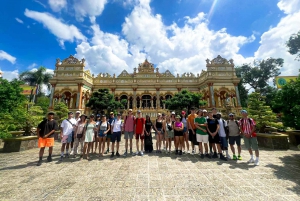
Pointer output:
235, 139
223, 142
161, 130
101, 133
170, 134
128, 135
72, 136
192, 137
139, 136
184, 129
116, 136
66, 139
251, 143
178, 133
47, 142
215, 140
202, 138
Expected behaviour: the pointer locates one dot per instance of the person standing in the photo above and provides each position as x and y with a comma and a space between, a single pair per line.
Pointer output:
110, 120
234, 136
66, 133
214, 138
223, 133
202, 135
77, 118
247, 127
192, 129
178, 133
96, 139
139, 132
158, 127
163, 115
89, 135
169, 135
103, 129
78, 135
185, 133
116, 129
148, 135
128, 131
45, 132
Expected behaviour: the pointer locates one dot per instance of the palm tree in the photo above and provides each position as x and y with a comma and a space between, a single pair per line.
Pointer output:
36, 78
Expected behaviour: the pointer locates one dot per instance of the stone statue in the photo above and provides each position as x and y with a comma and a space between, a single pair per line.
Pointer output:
57, 61
114, 76
82, 60
207, 61
231, 61
177, 75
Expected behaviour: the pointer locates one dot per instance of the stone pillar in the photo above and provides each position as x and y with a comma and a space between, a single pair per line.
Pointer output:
128, 99
51, 96
134, 98
208, 102
219, 100
152, 106
157, 98
140, 102
113, 91
71, 103
237, 94
211, 93
79, 96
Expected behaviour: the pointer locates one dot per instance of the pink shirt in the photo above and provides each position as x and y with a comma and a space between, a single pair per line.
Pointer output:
129, 123
247, 126
178, 124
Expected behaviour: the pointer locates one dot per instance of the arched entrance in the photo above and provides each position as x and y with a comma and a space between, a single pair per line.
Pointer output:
146, 101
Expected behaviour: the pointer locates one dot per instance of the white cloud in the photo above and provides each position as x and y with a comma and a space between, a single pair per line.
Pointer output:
289, 6
10, 75
90, 8
6, 56
31, 66
198, 19
19, 20
62, 31
40, 3
57, 5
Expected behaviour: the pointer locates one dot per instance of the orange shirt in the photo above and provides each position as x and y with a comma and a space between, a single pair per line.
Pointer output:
191, 119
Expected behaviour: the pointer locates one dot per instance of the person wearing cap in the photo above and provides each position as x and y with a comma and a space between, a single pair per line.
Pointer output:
89, 135
201, 134
205, 113
185, 133
77, 115
223, 133
158, 127
139, 132
192, 129
108, 137
116, 129
77, 118
66, 134
178, 133
214, 111
78, 134
234, 136
128, 128
45, 132
163, 116
247, 128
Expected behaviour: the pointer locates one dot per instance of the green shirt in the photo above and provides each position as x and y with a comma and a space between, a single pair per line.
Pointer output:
201, 120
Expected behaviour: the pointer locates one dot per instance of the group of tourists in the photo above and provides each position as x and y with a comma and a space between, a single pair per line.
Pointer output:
207, 130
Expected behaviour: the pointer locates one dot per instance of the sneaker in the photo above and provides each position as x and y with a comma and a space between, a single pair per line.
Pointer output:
117, 154
131, 152
202, 156
222, 157
239, 158
61, 158
234, 157
67, 155
141, 153
135, 154
72, 152
39, 163
215, 155
183, 151
180, 152
107, 151
49, 159
251, 160
256, 162
188, 151
199, 153
112, 154
228, 157
125, 153
176, 153
193, 152
208, 155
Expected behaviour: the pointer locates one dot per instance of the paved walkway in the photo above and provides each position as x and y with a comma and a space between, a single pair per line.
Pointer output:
151, 177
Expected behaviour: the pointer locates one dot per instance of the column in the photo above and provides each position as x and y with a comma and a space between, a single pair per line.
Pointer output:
237, 94
211, 93
152, 106
113, 91
71, 102
208, 102
157, 98
128, 103
51, 96
79, 96
219, 100
134, 98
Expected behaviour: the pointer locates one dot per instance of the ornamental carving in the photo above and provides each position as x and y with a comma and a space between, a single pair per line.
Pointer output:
124, 73
167, 74
70, 60
146, 67
219, 60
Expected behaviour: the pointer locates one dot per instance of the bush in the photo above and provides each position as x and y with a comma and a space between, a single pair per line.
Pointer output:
4, 134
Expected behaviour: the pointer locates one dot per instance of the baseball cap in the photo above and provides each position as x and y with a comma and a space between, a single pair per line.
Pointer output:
163, 114
219, 113
70, 113
244, 111
92, 115
231, 114
204, 111
51, 113
172, 112
182, 112
130, 110
111, 113
178, 117
158, 114
78, 112
139, 111
119, 114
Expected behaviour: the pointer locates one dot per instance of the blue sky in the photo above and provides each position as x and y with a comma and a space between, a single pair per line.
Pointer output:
113, 35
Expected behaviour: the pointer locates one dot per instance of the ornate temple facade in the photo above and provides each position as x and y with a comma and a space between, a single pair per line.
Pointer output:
145, 88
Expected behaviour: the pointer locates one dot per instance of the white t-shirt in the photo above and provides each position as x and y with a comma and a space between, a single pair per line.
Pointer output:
117, 125
67, 126
222, 132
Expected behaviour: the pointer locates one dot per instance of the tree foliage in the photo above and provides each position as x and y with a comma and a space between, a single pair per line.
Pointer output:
61, 112
294, 45
103, 100
184, 100
242, 89
43, 102
287, 101
258, 74
259, 111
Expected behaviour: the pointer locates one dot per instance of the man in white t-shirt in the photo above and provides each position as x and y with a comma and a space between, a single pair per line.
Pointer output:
66, 131
223, 134
77, 118
116, 129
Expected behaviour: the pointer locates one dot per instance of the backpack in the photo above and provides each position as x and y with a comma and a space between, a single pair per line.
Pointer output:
237, 123
126, 119
143, 120
101, 123
250, 122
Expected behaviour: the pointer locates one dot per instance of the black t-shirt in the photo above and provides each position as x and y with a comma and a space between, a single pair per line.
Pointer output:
47, 126
148, 125
212, 125
214, 116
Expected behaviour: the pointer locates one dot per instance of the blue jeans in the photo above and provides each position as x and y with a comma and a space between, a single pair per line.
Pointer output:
101, 133
223, 142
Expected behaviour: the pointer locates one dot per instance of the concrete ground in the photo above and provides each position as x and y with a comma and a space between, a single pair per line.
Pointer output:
151, 177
